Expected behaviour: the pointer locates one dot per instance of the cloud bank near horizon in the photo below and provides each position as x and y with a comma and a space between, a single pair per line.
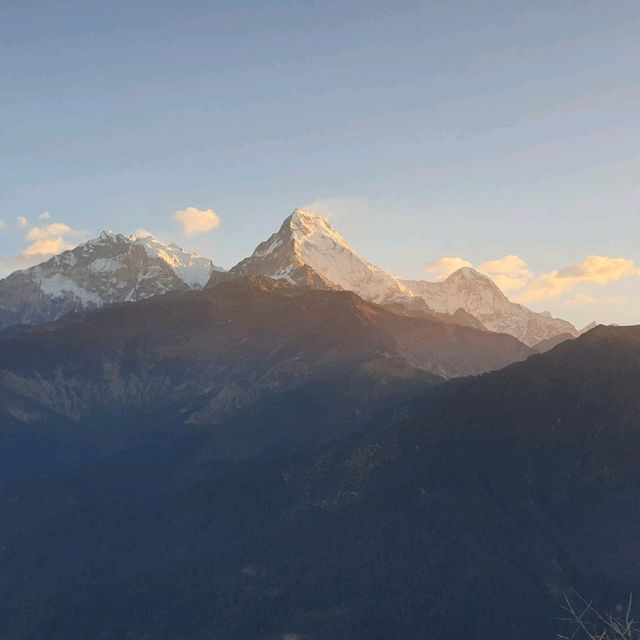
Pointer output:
520, 283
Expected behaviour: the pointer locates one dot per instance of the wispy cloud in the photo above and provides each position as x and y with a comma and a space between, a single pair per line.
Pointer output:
196, 222
3, 224
21, 221
333, 208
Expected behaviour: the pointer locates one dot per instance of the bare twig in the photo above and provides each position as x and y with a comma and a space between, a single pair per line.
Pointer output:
589, 624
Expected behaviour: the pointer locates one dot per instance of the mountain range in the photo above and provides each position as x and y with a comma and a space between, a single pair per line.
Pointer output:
306, 251
304, 447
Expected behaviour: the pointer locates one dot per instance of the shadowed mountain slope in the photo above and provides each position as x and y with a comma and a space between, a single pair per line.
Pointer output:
252, 332
550, 343
215, 359
463, 513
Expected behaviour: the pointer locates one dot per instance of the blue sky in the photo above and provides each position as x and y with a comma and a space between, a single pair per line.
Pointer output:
474, 130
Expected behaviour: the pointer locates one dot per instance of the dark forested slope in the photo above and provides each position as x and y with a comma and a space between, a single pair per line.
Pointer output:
464, 511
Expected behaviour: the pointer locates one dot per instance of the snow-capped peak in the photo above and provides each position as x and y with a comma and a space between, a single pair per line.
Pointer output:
479, 295
190, 267
302, 216
310, 229
106, 236
304, 223
470, 274
308, 250
110, 268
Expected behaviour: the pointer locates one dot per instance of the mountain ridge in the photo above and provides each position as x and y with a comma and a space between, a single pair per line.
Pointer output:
108, 269
478, 295
305, 251
226, 344
308, 251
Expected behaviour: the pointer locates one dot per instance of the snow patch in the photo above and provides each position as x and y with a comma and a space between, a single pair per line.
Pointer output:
191, 268
323, 249
58, 286
277, 242
105, 265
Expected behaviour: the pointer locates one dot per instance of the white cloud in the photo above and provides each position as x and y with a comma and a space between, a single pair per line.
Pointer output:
593, 269
443, 267
513, 275
600, 269
48, 239
21, 221
510, 273
545, 287
196, 222
45, 215
43, 242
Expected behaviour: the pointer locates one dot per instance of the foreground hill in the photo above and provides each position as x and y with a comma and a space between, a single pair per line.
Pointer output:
466, 512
